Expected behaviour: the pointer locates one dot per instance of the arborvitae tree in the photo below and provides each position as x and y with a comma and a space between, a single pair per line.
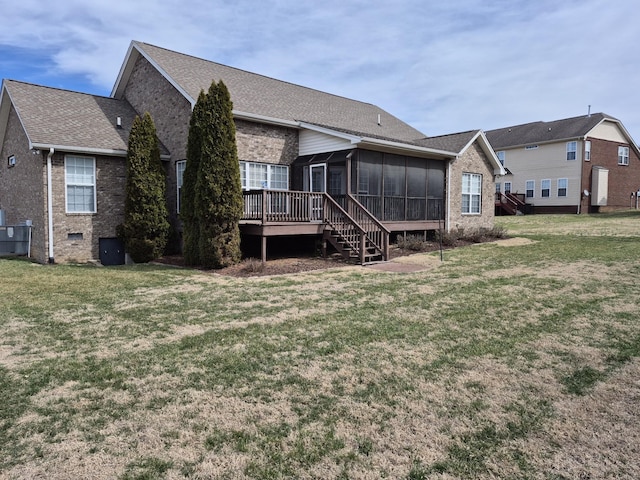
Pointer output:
146, 228
190, 222
218, 197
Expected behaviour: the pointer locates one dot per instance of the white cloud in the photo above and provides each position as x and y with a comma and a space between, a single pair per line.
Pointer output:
441, 66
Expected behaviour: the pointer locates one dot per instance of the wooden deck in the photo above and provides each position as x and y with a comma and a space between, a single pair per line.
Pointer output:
343, 222
349, 227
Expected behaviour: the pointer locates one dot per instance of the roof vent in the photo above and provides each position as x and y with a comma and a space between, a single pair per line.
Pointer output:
379, 121
119, 122
549, 128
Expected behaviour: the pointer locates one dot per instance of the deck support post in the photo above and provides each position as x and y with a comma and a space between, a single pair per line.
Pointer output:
263, 249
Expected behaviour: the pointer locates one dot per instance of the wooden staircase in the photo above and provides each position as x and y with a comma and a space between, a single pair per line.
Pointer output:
354, 232
510, 204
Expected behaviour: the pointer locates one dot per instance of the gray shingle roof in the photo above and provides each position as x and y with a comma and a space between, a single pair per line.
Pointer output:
64, 118
539, 132
259, 95
453, 142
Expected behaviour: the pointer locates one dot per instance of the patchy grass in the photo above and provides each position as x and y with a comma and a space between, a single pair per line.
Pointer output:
507, 360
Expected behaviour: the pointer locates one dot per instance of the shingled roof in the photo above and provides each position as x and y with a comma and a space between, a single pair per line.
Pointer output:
454, 142
259, 95
540, 132
69, 120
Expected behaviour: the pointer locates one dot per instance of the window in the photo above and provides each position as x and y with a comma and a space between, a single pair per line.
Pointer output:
530, 187
180, 166
471, 192
545, 187
572, 148
498, 187
261, 175
500, 156
562, 187
587, 151
80, 180
507, 187
623, 155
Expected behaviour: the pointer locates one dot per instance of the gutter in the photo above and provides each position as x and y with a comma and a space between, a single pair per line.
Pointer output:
50, 204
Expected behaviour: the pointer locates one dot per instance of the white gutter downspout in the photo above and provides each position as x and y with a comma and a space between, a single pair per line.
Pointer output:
50, 204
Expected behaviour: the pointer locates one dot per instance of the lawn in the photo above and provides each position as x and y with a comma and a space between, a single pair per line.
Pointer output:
507, 360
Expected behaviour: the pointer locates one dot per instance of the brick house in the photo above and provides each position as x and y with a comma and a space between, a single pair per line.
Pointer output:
311, 163
581, 164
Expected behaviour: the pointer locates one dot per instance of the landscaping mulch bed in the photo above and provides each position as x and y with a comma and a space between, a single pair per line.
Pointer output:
251, 267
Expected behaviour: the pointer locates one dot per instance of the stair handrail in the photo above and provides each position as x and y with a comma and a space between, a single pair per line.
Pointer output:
378, 228
381, 247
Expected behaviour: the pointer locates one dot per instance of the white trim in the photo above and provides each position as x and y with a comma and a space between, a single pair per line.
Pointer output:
566, 188
254, 117
179, 185
498, 168
86, 150
50, 204
376, 142
94, 185
526, 189
448, 195
127, 68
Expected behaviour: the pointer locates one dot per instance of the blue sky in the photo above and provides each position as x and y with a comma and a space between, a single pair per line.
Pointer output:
442, 67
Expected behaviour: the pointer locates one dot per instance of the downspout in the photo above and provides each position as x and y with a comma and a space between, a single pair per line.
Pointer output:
50, 204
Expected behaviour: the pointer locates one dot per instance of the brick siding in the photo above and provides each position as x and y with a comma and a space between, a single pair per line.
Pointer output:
623, 179
474, 160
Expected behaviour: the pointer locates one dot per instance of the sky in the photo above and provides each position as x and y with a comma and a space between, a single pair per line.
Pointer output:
440, 66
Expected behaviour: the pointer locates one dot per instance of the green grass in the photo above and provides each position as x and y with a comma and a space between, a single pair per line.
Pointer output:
460, 370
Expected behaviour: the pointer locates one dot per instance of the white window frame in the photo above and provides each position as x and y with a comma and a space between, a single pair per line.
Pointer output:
507, 190
566, 187
623, 155
501, 157
472, 190
498, 187
545, 183
87, 182
572, 151
587, 151
532, 189
180, 167
267, 180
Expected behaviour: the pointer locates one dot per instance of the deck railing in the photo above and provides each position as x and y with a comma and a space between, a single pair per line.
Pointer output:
283, 206
349, 218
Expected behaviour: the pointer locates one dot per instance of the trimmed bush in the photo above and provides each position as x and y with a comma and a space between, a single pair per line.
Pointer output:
146, 227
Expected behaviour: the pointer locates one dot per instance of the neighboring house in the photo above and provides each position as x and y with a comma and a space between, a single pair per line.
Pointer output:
581, 164
311, 163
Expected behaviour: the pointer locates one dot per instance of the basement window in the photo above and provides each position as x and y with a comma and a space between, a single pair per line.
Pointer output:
74, 236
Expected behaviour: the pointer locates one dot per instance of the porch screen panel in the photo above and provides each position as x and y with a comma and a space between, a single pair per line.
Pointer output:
435, 190
337, 183
368, 182
395, 177
416, 189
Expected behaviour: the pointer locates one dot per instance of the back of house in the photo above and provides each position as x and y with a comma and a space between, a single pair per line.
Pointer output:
305, 157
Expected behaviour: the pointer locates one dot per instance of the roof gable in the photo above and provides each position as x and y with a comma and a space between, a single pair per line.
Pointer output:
70, 120
257, 96
460, 142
